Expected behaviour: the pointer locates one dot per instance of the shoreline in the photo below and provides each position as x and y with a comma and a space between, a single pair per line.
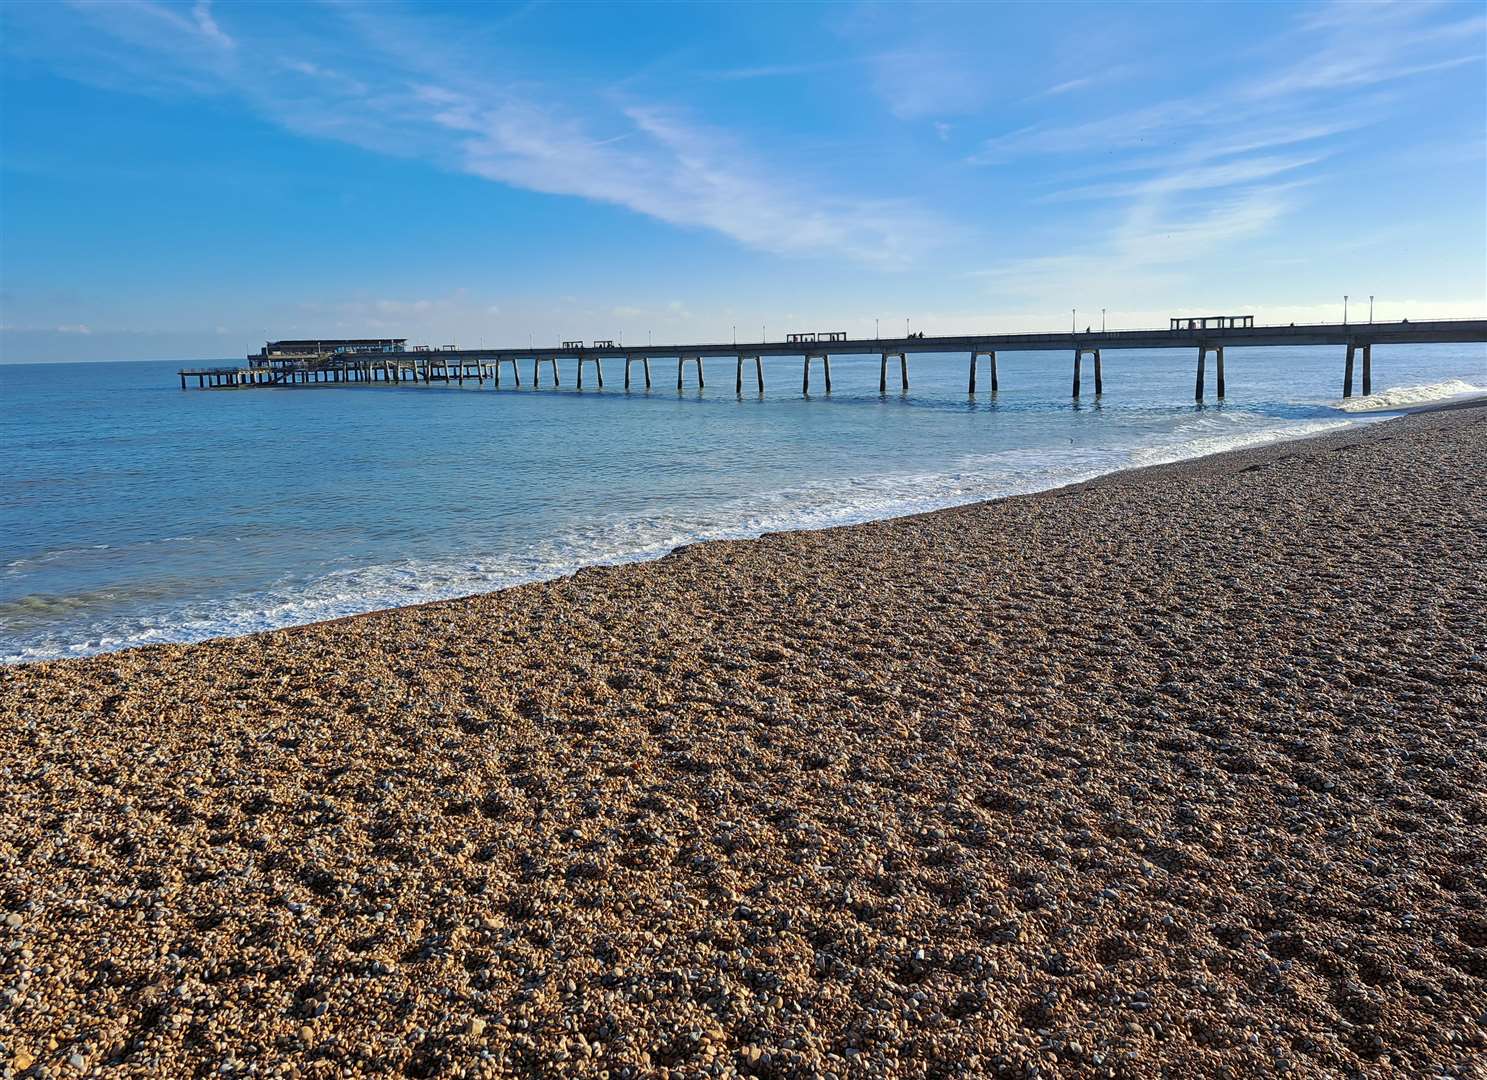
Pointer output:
1173, 770
1353, 420
1465, 402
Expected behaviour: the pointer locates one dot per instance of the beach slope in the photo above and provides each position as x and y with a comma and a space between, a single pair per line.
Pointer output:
1179, 771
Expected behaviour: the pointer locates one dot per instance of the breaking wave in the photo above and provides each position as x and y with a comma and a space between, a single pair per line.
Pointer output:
1401, 397
606, 539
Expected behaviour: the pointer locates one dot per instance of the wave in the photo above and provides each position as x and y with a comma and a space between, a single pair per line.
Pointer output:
1398, 397
610, 539
1218, 441
606, 539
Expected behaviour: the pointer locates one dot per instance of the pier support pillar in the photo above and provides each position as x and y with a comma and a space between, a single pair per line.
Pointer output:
990, 355
903, 372
758, 374
515, 369
645, 362
1347, 373
805, 382
598, 368
537, 362
1367, 370
1218, 360
680, 361
1079, 354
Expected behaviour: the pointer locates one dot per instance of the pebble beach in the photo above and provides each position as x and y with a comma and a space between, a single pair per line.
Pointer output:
1178, 772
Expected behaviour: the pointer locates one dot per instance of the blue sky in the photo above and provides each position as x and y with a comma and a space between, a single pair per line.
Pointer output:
186, 180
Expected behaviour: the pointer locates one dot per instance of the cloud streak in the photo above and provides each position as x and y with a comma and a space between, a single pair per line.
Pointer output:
1232, 161
645, 157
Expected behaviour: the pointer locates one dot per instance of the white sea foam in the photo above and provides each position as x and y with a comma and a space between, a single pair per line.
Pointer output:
604, 540
1201, 443
612, 539
1400, 397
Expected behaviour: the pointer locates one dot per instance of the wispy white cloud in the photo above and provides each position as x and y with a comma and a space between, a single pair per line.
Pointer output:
1150, 246
673, 169
202, 13
1105, 73
1067, 86
1199, 177
1356, 45
647, 157
785, 71
929, 79
1233, 161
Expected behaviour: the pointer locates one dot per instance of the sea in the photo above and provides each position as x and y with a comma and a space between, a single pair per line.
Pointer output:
132, 512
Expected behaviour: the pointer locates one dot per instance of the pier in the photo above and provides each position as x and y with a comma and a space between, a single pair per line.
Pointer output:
330, 371
389, 362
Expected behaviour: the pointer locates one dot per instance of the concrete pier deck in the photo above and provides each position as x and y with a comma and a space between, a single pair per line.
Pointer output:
451, 365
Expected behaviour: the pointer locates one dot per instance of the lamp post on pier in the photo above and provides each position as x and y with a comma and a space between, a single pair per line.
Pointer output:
1102, 320
1345, 309
1370, 307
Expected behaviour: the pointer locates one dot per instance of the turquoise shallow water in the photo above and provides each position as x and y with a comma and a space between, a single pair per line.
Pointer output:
132, 512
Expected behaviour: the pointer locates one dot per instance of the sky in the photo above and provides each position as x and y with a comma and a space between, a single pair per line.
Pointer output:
188, 180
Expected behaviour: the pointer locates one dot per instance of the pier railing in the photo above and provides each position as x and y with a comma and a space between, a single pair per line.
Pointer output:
479, 365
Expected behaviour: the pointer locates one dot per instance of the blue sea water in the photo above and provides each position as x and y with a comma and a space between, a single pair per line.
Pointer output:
132, 512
